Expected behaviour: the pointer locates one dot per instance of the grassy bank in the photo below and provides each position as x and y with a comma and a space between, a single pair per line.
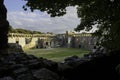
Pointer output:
56, 54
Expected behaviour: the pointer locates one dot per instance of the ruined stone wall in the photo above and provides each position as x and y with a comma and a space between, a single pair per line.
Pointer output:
19, 40
28, 41
62, 40
86, 42
11, 40
72, 40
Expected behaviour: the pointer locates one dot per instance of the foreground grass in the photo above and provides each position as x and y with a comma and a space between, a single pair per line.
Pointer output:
56, 54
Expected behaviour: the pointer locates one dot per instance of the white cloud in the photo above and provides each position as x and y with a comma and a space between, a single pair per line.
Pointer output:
42, 22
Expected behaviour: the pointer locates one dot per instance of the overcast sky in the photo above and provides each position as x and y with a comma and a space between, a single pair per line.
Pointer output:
40, 21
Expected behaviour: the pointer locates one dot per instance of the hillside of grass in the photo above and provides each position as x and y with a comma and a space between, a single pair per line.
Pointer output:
56, 54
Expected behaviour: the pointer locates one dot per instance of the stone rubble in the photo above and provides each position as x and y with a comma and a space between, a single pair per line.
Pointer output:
20, 66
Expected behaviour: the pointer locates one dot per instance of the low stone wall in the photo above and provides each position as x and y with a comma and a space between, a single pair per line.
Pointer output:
14, 48
93, 66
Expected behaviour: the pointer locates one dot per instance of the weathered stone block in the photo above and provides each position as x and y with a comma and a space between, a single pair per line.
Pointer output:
45, 74
16, 66
31, 57
20, 71
6, 78
26, 76
4, 71
34, 65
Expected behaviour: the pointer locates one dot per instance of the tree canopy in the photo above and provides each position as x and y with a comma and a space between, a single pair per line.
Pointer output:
103, 13
24, 31
106, 15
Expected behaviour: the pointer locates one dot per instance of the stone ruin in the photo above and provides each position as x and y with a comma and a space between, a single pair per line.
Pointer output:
67, 40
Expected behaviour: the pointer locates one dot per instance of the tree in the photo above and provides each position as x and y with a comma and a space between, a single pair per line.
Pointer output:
106, 15
24, 31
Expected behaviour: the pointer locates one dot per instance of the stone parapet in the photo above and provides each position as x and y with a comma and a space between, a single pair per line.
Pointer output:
29, 35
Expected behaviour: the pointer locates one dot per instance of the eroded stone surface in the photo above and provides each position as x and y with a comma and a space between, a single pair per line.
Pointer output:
20, 66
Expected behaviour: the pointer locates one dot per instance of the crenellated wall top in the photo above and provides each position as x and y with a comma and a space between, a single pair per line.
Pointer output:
29, 35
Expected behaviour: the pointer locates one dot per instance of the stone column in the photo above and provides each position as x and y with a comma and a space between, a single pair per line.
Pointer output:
4, 26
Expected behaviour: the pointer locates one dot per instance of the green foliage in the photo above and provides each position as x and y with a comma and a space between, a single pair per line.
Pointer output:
19, 30
104, 13
52, 7
36, 32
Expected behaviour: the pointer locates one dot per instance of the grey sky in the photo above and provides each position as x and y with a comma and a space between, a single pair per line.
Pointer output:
41, 21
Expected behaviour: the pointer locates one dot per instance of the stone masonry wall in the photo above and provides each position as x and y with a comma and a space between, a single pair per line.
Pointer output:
93, 66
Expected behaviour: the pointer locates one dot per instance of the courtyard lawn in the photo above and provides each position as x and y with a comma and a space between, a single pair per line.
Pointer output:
56, 54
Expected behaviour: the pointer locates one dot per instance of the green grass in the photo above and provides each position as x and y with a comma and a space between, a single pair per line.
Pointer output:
56, 54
